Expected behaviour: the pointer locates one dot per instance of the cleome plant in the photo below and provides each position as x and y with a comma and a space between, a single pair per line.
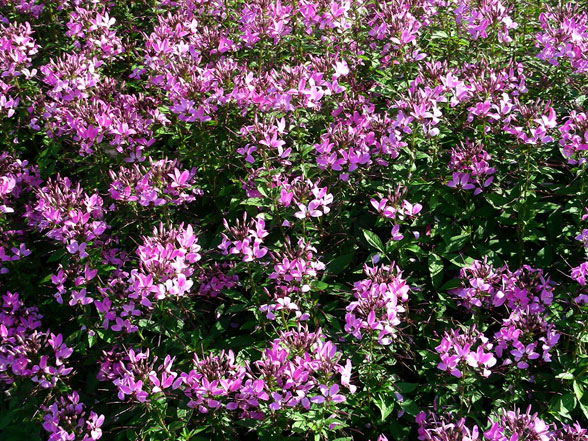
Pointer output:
294, 219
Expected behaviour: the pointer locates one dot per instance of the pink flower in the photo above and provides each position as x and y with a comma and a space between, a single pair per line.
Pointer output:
328, 394
460, 181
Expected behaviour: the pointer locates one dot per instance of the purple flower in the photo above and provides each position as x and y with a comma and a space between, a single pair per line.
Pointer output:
460, 181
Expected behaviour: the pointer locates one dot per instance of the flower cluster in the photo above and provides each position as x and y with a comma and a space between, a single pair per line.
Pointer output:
24, 350
303, 366
295, 266
16, 178
572, 433
129, 372
297, 370
214, 280
93, 31
525, 334
433, 427
311, 200
580, 275
396, 29
406, 209
83, 275
17, 47
265, 137
379, 303
118, 308
470, 166
160, 183
67, 420
516, 425
12, 248
217, 381
247, 238
511, 425
294, 269
358, 137
91, 108
564, 36
490, 15
574, 137
67, 214
166, 263
34, 8
398, 209
484, 286
470, 348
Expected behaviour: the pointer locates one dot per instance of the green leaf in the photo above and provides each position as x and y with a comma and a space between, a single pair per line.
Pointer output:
385, 410
407, 388
450, 284
410, 407
544, 256
319, 286
455, 243
56, 256
459, 261
436, 270
413, 248
439, 34
578, 390
6, 418
373, 240
584, 409
92, 339
566, 404
261, 187
46, 279
338, 264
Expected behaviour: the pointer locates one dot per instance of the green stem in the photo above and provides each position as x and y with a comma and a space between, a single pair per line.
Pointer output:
522, 222
579, 344
462, 392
